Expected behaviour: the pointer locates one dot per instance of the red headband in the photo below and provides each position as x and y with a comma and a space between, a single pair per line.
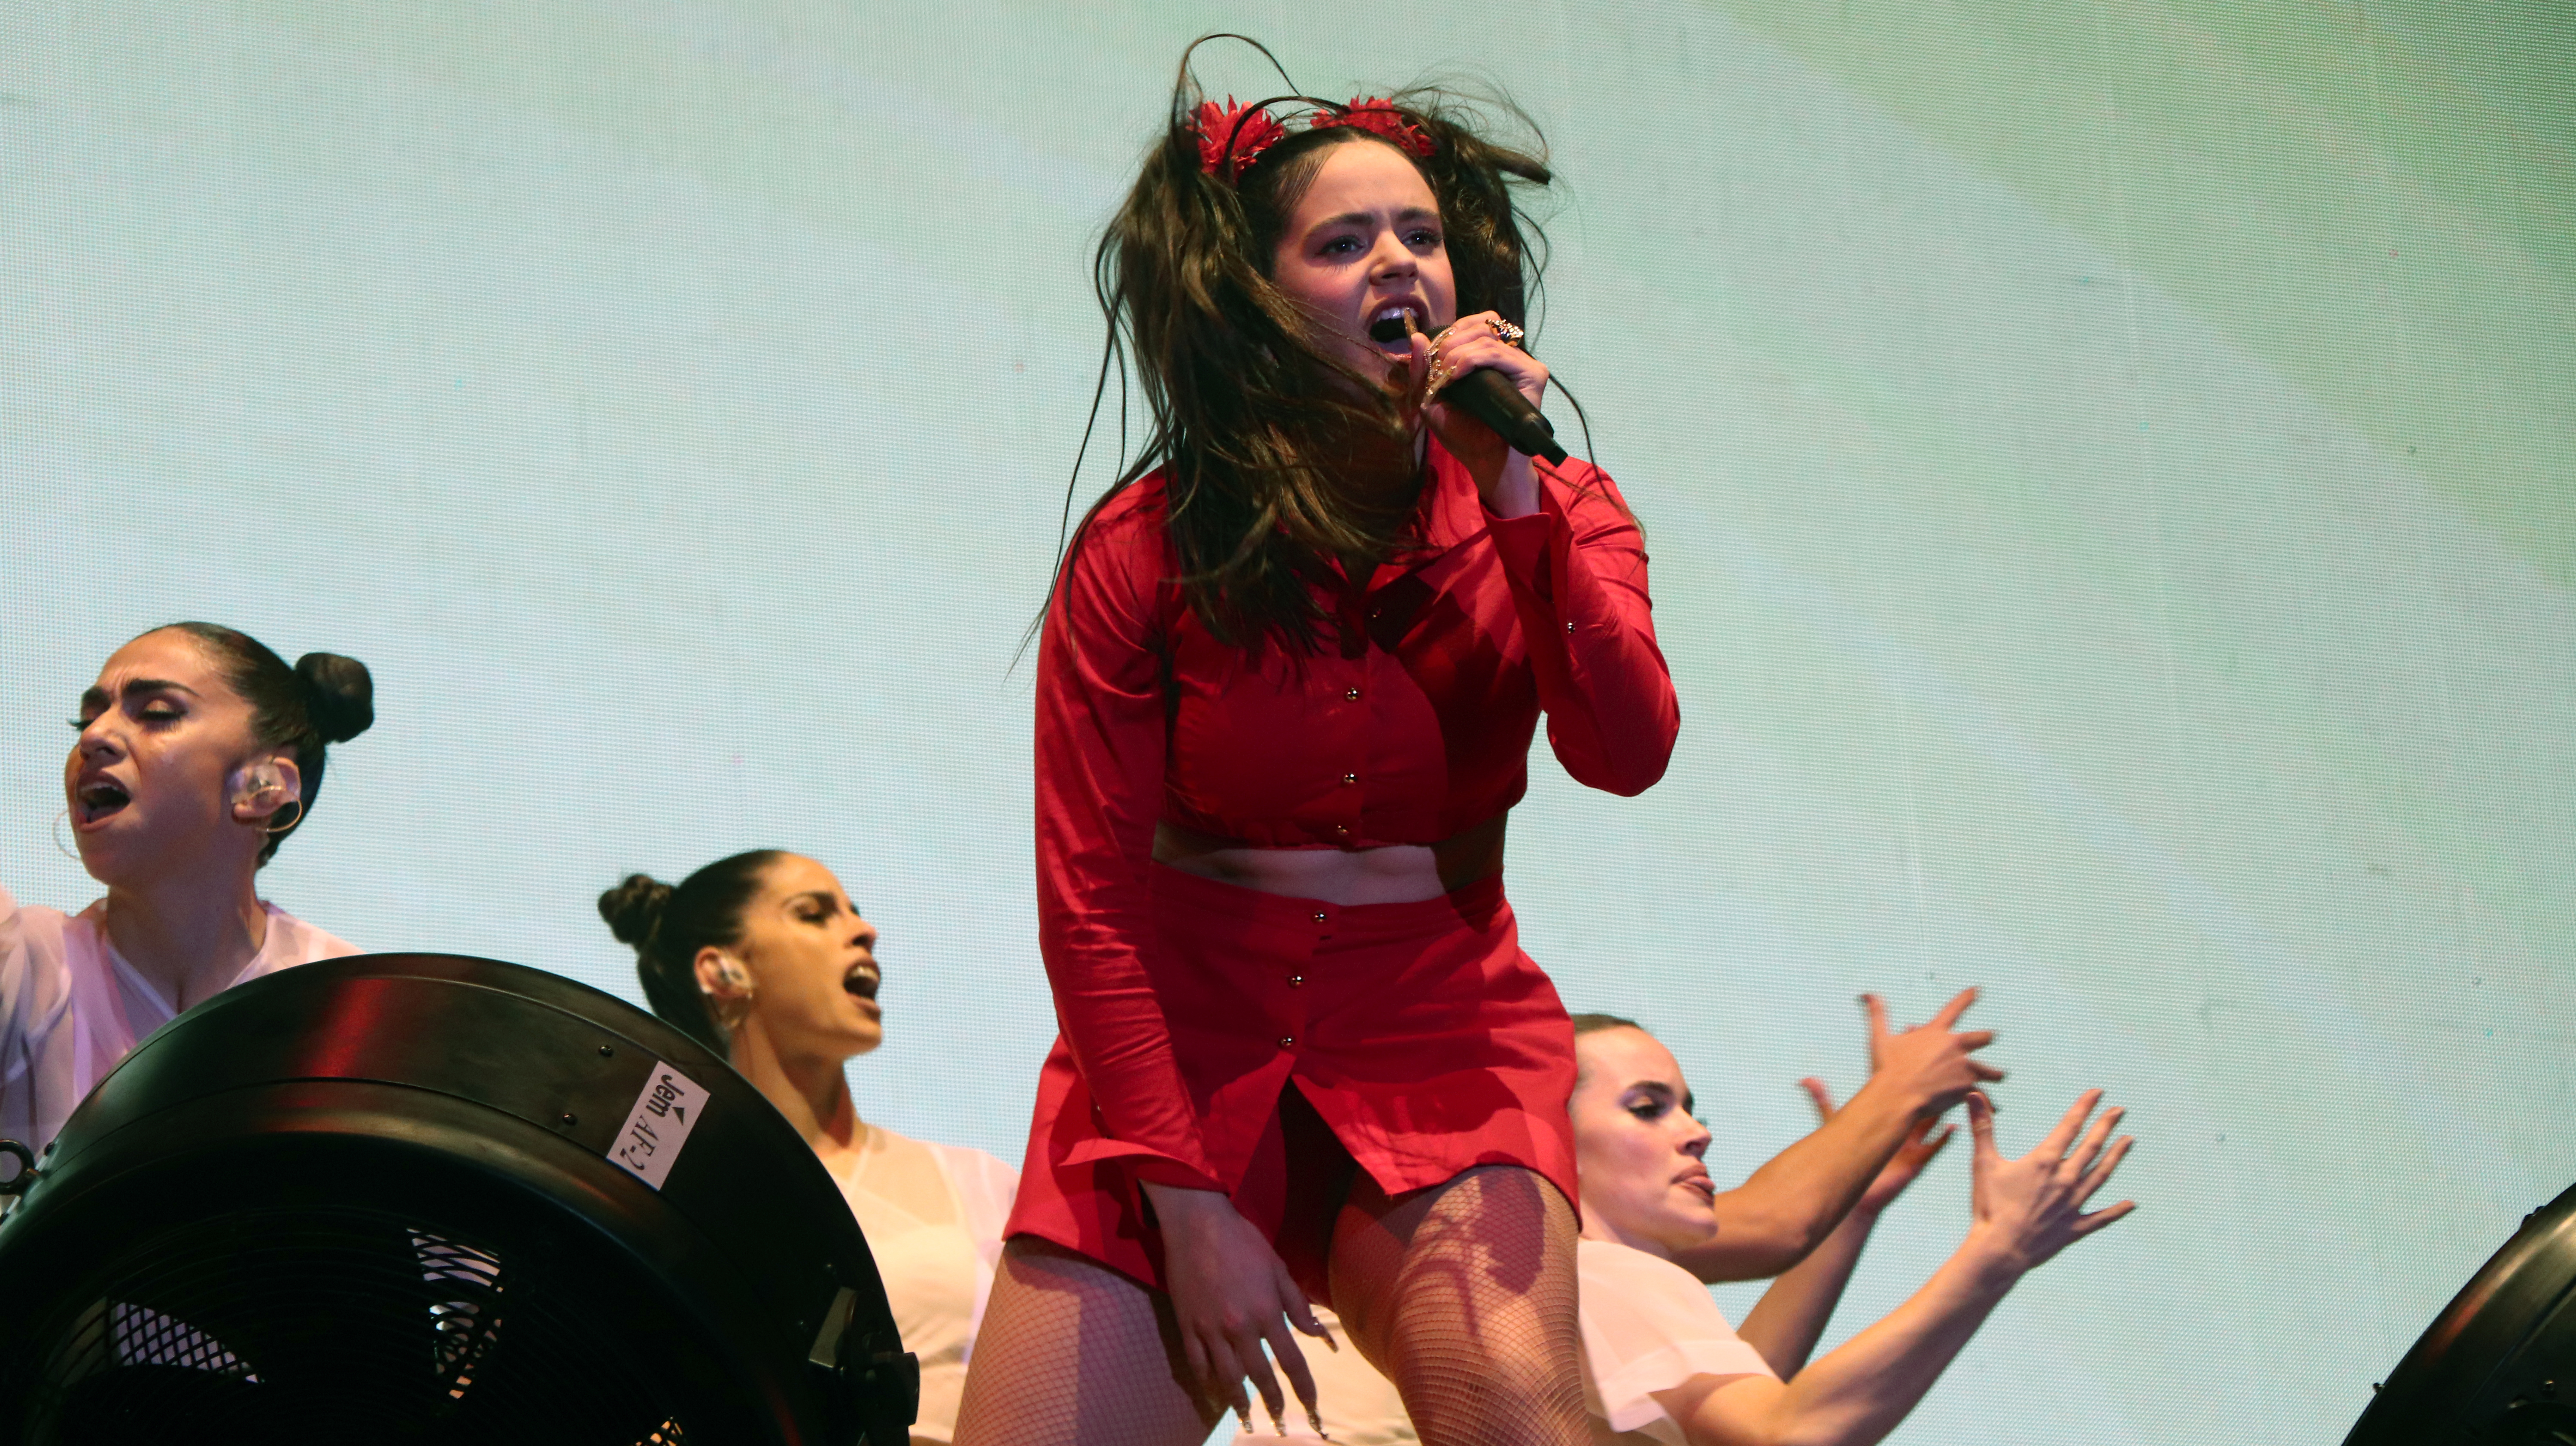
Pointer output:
1231, 137
1378, 116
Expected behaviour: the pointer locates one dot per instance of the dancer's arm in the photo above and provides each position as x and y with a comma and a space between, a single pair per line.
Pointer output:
2025, 1211
1786, 1208
1099, 787
1100, 743
1577, 570
1575, 561
1789, 1319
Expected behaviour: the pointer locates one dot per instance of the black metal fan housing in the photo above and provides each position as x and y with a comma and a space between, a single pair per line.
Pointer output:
425, 1198
2498, 1366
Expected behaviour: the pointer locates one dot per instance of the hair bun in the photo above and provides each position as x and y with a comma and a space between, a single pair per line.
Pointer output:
634, 908
341, 695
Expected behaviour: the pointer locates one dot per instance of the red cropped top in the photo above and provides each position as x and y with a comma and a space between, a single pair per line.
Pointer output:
1411, 723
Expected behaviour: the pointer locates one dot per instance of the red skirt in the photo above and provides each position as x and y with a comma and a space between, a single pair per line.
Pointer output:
1422, 1037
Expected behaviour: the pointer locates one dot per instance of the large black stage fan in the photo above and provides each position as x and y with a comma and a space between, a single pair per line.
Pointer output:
418, 1198
2498, 1366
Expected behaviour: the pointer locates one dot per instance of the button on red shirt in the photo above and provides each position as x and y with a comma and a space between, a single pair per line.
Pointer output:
1431, 682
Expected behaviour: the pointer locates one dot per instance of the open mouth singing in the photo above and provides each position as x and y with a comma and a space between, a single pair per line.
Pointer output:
98, 798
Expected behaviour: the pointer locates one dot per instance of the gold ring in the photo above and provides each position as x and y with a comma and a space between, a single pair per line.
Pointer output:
1510, 333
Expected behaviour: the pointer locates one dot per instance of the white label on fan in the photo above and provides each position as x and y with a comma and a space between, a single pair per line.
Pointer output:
658, 1125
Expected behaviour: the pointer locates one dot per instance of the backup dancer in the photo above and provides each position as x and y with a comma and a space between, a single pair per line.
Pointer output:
1813, 1201
1662, 1366
763, 958
199, 753
1288, 681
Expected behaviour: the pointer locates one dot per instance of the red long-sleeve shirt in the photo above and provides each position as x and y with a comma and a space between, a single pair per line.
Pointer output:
1410, 724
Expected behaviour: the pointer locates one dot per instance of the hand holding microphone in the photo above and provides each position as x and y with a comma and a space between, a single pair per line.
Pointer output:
1477, 366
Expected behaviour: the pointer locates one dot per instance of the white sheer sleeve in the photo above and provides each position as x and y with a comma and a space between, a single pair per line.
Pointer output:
36, 1055
17, 1116
1648, 1326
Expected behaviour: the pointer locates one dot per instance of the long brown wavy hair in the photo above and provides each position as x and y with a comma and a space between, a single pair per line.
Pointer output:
1245, 406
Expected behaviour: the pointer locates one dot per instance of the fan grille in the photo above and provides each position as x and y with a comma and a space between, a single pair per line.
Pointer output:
331, 1323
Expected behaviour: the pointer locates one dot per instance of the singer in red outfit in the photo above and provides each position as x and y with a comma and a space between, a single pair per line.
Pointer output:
1288, 683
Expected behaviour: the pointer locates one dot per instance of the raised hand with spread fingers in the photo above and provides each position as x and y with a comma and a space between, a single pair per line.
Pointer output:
2031, 1208
1645, 1323
1789, 1206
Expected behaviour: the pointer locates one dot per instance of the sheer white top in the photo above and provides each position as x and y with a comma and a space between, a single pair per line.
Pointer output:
933, 1216
1648, 1326
71, 1007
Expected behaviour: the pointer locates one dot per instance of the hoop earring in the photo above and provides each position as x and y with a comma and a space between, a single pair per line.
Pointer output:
57, 832
274, 828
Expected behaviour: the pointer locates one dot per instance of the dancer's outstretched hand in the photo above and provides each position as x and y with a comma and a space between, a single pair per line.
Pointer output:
1929, 1067
1921, 1144
2029, 1209
1231, 1294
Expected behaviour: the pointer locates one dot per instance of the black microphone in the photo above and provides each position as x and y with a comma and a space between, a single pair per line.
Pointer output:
1490, 398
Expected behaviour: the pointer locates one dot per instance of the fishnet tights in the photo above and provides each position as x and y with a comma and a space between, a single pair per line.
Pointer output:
1071, 1353
1463, 1295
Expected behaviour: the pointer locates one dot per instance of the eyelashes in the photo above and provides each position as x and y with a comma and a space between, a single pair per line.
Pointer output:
1651, 1110
165, 715
1348, 245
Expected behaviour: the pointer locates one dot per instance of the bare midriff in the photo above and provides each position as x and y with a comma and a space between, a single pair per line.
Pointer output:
1394, 874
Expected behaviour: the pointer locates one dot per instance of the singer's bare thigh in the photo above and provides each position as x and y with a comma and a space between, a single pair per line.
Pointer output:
1072, 1353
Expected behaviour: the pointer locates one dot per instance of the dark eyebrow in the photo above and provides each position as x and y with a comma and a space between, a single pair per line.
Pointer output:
95, 696
1369, 218
830, 904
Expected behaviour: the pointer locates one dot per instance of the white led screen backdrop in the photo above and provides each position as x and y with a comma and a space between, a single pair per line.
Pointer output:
2110, 467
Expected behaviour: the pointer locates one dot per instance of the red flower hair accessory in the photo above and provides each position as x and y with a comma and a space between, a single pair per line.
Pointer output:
1242, 130
1378, 116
